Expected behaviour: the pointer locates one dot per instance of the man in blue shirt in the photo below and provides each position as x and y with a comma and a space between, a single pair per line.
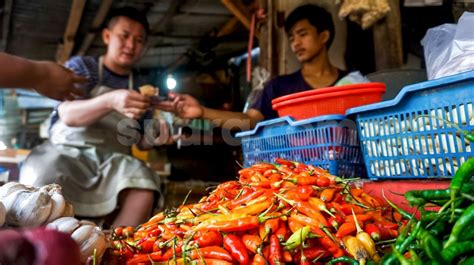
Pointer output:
310, 29
88, 152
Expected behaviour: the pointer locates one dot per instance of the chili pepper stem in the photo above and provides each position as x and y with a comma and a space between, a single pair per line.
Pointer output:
402, 212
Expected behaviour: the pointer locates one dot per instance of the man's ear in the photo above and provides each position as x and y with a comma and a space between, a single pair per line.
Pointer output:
106, 36
324, 36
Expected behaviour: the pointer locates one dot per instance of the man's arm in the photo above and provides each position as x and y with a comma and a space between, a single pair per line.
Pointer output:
85, 112
187, 107
47, 78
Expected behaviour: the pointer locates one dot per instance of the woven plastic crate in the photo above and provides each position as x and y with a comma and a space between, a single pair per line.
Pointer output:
407, 138
322, 141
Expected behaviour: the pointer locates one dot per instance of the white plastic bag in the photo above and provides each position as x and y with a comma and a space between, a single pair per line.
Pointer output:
449, 48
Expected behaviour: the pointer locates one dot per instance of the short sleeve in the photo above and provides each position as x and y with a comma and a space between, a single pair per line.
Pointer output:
86, 67
264, 102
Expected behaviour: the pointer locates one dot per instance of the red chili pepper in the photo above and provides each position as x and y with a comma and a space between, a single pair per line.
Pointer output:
294, 225
236, 248
259, 260
285, 162
346, 229
263, 166
244, 198
276, 256
346, 208
178, 249
361, 218
213, 252
397, 217
269, 226
206, 238
306, 208
282, 231
208, 262
336, 207
373, 231
371, 201
144, 258
241, 224
287, 257
311, 253
146, 245
313, 223
388, 225
252, 242
331, 246
327, 195
323, 181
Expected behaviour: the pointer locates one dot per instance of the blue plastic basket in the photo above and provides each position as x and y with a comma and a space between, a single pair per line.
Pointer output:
407, 138
322, 141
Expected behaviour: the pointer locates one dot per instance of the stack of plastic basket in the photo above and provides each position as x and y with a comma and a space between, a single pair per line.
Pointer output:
416, 135
328, 141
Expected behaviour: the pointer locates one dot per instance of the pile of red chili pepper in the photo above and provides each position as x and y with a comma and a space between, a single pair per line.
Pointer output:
444, 235
282, 213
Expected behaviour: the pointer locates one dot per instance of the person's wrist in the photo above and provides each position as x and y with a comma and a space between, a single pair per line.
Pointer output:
204, 112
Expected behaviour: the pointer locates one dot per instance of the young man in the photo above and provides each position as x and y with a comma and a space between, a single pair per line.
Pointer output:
47, 78
311, 31
89, 153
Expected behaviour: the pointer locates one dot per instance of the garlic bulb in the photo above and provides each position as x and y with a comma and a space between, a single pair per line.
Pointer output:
28, 206
3, 213
86, 234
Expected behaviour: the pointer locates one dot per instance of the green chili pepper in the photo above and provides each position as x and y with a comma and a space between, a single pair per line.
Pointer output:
467, 261
402, 212
464, 173
297, 238
343, 260
459, 227
430, 245
415, 259
454, 251
401, 258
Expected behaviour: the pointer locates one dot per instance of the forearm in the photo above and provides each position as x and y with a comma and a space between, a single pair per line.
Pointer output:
19, 72
228, 119
79, 113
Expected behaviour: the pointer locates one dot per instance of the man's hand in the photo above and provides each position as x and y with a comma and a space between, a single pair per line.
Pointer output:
130, 103
185, 106
58, 82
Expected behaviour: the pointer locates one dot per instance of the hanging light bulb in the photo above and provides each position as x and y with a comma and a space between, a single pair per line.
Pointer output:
170, 82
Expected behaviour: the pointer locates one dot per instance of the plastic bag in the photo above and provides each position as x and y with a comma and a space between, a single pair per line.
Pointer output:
352, 78
449, 48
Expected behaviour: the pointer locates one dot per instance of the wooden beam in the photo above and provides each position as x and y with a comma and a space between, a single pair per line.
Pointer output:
228, 27
240, 12
65, 50
388, 39
163, 24
96, 23
7, 13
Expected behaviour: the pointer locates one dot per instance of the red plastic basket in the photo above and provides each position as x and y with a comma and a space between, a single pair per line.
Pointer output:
337, 101
325, 90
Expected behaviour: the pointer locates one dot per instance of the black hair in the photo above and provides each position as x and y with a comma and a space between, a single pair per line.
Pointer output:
131, 13
317, 16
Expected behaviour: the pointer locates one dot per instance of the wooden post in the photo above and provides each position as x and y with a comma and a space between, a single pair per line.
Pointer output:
64, 51
98, 20
7, 12
388, 39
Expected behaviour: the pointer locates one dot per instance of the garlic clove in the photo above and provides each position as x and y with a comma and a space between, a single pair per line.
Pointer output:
32, 208
97, 241
10, 188
68, 210
3, 213
64, 224
82, 233
58, 205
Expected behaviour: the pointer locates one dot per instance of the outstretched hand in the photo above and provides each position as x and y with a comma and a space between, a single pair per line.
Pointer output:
183, 105
58, 82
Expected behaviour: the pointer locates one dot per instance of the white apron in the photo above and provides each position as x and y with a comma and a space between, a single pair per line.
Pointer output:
89, 163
